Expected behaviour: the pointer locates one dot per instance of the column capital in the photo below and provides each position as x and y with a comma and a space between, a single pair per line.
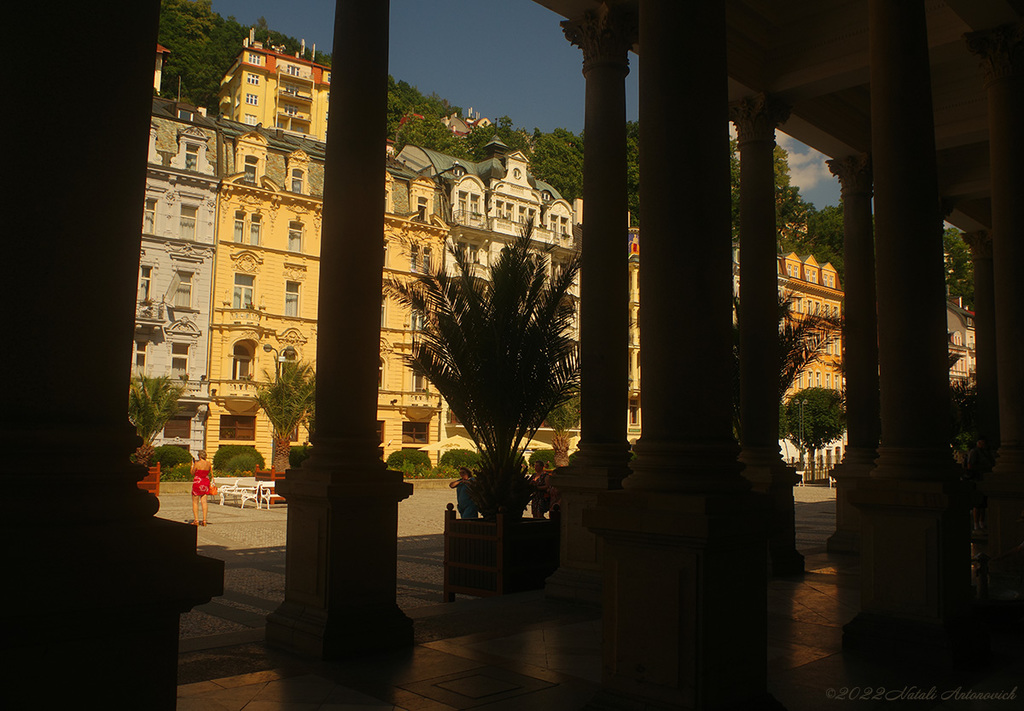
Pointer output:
980, 242
605, 35
1001, 50
854, 173
756, 117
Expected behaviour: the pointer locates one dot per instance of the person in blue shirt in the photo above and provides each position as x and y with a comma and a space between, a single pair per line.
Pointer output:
466, 505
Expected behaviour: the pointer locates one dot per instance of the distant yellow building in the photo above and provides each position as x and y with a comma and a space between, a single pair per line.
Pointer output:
815, 289
265, 87
634, 423
408, 409
266, 276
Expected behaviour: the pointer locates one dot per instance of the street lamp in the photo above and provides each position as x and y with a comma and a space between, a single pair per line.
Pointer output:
803, 447
288, 353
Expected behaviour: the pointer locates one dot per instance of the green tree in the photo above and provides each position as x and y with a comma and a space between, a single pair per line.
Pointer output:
825, 238
803, 341
151, 403
517, 139
286, 400
823, 418
959, 267
633, 170
562, 420
558, 159
500, 351
430, 132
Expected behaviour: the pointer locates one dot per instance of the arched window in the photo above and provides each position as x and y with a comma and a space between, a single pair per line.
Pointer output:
241, 361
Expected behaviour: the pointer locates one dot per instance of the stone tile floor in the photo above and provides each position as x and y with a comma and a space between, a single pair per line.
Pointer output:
521, 652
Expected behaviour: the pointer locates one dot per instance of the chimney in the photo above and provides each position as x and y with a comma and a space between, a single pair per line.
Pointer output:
303, 50
577, 208
312, 55
252, 35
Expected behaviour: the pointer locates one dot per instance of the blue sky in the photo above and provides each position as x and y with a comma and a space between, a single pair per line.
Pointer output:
500, 57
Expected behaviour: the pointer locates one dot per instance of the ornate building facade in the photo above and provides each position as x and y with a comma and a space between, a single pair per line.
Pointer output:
814, 289
267, 275
172, 316
486, 205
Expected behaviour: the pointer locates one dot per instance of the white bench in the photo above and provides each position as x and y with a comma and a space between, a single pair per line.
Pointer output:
244, 488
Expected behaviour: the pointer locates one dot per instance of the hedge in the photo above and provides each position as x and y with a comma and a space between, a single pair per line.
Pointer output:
461, 458
169, 455
228, 451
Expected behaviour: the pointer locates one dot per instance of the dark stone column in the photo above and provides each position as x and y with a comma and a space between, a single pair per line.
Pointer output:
605, 36
1003, 53
756, 119
343, 503
684, 543
94, 583
987, 415
860, 347
913, 506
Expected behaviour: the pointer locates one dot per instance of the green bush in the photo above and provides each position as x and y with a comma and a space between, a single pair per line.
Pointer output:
170, 455
242, 464
461, 458
178, 472
543, 455
228, 451
297, 455
398, 459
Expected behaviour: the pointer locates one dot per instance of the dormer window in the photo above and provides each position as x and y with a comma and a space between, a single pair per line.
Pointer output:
250, 168
297, 176
516, 173
458, 171
191, 157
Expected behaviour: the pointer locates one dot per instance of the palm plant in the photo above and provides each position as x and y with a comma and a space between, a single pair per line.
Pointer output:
803, 341
287, 400
500, 352
562, 420
151, 403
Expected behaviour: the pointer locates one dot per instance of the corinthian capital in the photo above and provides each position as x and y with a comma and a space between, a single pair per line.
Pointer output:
854, 173
980, 243
605, 35
1001, 50
757, 117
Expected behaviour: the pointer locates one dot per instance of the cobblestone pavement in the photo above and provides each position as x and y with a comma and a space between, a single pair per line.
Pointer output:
251, 542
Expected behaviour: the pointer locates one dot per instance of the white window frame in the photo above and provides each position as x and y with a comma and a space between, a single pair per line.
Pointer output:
255, 229
298, 180
244, 293
181, 290
253, 79
295, 230
291, 298
187, 222
145, 281
252, 99
149, 217
191, 156
179, 360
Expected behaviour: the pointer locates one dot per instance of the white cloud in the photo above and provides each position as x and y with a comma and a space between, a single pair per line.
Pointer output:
807, 169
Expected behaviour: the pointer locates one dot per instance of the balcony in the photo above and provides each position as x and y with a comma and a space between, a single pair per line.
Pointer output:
195, 390
295, 95
239, 396
242, 317
470, 219
150, 316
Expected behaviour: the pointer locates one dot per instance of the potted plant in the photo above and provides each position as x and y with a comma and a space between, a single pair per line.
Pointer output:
151, 403
500, 351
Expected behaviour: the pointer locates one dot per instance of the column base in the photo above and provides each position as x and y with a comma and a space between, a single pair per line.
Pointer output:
342, 556
578, 578
684, 619
856, 465
962, 642
915, 571
98, 604
1004, 489
768, 474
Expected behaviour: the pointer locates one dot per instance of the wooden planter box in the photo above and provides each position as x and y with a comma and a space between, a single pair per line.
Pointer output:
151, 482
486, 558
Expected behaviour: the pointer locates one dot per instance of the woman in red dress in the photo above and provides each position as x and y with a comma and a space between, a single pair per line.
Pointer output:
200, 487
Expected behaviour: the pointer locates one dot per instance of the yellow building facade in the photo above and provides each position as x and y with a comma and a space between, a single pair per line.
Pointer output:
408, 408
265, 87
266, 278
815, 289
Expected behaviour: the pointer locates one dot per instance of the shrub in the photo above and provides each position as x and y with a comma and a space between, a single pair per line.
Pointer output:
397, 459
297, 455
543, 455
228, 451
170, 455
461, 458
178, 472
243, 464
